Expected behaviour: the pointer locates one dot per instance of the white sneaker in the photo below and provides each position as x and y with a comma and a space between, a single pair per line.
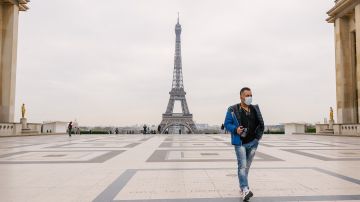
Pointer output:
247, 195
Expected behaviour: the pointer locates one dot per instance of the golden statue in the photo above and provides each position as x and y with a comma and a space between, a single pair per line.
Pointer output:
23, 110
331, 114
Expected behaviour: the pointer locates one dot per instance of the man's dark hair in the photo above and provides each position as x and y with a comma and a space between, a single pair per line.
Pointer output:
244, 89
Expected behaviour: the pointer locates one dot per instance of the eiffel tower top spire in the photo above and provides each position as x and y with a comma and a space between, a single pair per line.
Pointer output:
177, 83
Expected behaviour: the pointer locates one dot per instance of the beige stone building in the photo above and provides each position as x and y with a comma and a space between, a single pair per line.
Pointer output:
346, 18
9, 14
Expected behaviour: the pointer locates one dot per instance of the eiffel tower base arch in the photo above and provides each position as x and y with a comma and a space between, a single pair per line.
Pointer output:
170, 120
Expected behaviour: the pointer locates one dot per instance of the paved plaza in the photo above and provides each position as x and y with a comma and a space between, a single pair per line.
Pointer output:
176, 168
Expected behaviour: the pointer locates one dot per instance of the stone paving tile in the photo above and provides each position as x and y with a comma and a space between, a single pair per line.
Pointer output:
176, 168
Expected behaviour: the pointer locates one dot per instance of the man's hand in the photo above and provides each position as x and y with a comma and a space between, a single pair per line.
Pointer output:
239, 130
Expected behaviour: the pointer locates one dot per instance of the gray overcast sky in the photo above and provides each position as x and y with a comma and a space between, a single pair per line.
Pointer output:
111, 63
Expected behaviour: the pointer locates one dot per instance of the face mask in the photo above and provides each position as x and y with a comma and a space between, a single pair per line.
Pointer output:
248, 100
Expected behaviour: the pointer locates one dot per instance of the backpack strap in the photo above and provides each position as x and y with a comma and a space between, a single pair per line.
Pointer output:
236, 111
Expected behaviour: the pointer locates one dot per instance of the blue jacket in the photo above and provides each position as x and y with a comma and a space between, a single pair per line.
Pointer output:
232, 123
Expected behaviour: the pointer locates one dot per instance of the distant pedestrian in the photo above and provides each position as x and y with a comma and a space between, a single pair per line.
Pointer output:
70, 128
159, 129
223, 128
144, 127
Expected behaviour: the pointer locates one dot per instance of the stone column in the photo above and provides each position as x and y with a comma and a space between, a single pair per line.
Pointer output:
9, 14
357, 36
344, 73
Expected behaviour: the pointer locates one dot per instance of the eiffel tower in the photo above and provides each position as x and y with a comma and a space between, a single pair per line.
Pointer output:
177, 120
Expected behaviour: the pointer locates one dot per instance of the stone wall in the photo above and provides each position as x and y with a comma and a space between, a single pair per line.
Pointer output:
347, 129
15, 129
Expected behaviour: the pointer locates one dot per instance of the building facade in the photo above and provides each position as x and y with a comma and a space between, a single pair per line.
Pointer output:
345, 16
9, 15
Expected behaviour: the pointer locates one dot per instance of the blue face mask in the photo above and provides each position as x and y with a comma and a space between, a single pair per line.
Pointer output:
248, 100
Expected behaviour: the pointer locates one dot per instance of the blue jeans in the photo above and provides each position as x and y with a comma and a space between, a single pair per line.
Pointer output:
245, 154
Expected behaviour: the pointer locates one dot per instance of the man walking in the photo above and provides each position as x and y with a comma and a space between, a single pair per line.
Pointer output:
245, 123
